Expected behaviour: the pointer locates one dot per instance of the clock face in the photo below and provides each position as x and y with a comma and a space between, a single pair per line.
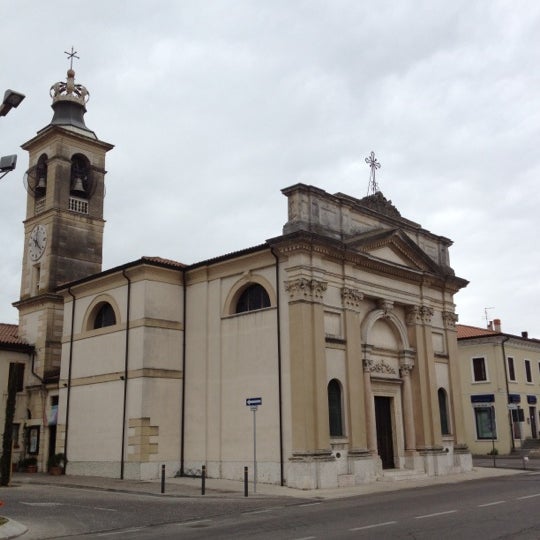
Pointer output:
37, 242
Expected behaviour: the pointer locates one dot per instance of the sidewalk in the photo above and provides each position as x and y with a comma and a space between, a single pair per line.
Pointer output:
191, 487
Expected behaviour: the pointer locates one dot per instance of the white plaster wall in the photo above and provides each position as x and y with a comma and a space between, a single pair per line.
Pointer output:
95, 422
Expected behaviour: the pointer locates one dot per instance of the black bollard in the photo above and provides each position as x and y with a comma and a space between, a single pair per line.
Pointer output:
203, 480
245, 481
163, 479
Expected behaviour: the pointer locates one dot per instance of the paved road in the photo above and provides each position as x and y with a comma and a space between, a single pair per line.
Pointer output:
493, 508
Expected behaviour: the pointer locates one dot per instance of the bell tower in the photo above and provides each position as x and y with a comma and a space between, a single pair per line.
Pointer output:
63, 229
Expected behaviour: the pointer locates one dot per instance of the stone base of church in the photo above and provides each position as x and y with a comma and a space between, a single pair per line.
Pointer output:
317, 470
132, 470
267, 472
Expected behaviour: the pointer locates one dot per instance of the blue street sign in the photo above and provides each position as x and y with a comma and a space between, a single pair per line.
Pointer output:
253, 401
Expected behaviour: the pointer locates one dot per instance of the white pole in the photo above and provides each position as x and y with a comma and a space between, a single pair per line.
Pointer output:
254, 409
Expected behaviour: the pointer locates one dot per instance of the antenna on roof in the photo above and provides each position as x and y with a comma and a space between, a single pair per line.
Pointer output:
486, 316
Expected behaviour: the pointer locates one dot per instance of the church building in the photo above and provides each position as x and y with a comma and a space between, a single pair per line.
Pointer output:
338, 335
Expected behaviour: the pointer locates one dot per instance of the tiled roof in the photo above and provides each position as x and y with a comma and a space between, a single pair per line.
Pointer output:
464, 331
9, 335
161, 260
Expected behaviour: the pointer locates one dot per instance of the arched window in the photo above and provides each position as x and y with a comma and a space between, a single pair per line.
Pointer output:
334, 408
80, 176
41, 175
253, 297
443, 411
104, 316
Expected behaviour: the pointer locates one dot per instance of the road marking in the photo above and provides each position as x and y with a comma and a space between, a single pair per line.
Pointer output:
528, 496
263, 511
436, 514
308, 504
196, 522
105, 509
373, 526
123, 531
42, 503
490, 504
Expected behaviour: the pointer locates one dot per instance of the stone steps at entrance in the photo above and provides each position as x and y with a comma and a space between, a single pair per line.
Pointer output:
395, 475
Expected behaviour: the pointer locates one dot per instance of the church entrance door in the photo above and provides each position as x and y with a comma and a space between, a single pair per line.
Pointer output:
383, 420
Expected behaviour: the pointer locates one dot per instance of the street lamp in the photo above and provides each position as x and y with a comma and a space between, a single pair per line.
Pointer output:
7, 164
11, 100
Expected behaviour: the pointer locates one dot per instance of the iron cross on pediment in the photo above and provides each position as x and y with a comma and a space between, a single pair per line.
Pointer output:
371, 160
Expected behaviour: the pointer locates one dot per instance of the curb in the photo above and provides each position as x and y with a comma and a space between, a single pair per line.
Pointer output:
12, 529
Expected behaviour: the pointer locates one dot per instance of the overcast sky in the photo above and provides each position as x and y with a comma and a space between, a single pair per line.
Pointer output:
215, 106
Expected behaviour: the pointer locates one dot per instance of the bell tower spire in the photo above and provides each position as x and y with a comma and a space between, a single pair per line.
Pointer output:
63, 229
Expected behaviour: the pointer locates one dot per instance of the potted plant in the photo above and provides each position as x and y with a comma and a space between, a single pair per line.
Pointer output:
29, 464
56, 464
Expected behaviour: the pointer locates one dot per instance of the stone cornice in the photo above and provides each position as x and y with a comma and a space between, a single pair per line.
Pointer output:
308, 242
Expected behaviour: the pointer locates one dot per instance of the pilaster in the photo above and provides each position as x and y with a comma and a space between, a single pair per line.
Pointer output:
352, 300
458, 422
423, 380
309, 400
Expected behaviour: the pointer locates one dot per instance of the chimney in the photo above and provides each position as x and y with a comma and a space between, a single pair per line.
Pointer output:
497, 325
490, 325
525, 334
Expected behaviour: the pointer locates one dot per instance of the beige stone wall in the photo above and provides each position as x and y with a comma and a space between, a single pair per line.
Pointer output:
231, 357
491, 350
154, 373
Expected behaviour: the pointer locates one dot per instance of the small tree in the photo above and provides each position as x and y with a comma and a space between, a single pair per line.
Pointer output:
7, 439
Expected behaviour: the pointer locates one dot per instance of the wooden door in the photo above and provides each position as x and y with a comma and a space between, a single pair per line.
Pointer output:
383, 419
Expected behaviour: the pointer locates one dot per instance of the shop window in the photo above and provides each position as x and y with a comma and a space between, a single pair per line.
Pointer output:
485, 422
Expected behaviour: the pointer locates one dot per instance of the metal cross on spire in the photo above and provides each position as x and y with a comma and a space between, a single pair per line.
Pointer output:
71, 56
373, 165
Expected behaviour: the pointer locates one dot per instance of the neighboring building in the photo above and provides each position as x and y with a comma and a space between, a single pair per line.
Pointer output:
15, 366
344, 326
501, 387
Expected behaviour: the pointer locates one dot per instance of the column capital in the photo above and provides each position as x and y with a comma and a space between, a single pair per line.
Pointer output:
406, 362
450, 319
419, 314
304, 288
352, 298
385, 305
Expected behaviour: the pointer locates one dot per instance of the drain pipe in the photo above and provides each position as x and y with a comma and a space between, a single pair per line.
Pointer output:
504, 340
70, 364
280, 398
183, 403
125, 377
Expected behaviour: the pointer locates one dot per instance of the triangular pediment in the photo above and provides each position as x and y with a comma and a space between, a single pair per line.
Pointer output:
395, 247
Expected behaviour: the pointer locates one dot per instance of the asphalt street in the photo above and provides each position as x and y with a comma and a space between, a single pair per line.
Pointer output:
491, 508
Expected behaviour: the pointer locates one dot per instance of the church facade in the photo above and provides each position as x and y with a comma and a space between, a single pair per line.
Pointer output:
342, 327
